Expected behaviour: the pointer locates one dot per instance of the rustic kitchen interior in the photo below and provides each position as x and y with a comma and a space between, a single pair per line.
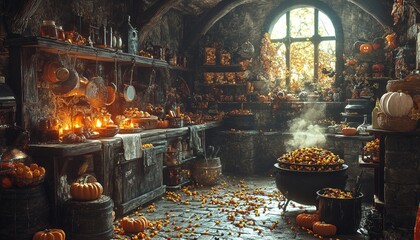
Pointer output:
209, 119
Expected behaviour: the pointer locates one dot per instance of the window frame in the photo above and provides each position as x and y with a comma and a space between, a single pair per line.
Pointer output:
285, 8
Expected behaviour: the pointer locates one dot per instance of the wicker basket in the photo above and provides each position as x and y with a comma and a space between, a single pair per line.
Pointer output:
397, 124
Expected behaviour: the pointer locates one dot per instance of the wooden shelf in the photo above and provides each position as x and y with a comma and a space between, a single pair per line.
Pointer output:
87, 52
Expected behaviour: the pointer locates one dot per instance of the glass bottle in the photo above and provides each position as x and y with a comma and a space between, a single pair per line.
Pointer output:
362, 128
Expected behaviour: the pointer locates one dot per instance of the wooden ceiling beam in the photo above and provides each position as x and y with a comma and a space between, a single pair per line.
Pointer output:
209, 19
153, 15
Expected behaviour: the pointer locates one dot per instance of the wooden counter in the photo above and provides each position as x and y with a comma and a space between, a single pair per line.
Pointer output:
104, 158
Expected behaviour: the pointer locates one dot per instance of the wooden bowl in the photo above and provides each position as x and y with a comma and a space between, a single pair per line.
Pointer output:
349, 131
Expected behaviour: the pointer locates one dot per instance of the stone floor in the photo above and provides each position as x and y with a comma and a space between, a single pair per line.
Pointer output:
237, 208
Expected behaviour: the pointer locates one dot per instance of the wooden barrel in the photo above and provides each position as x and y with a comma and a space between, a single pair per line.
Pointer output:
89, 220
23, 212
207, 171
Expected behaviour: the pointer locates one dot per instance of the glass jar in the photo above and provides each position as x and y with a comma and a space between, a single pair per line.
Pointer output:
362, 128
48, 29
60, 33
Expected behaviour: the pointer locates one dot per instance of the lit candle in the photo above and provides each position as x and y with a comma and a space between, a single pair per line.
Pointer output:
98, 123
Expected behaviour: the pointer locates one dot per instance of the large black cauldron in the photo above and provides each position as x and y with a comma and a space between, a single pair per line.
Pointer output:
301, 186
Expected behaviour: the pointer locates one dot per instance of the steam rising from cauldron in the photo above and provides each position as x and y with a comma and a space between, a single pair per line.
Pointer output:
306, 133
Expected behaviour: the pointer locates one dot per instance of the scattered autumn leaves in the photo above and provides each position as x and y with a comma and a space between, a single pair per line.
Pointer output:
239, 205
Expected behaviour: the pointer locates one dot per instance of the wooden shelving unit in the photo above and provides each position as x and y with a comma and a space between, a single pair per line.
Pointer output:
87, 52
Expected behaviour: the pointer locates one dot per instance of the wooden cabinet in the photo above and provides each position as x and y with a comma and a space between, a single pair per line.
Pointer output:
64, 163
140, 180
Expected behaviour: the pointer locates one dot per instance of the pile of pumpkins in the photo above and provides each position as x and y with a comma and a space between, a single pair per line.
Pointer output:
399, 107
312, 222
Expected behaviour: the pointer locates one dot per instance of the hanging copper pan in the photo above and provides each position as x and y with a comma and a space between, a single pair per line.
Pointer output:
80, 90
111, 94
64, 87
96, 92
53, 72
129, 90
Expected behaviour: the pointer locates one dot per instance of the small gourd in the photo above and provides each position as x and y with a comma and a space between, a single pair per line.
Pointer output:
324, 229
85, 190
306, 219
50, 234
134, 225
396, 104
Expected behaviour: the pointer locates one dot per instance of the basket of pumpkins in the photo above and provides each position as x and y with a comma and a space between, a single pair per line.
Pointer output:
397, 112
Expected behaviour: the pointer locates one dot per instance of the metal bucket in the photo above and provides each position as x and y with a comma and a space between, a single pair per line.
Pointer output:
207, 172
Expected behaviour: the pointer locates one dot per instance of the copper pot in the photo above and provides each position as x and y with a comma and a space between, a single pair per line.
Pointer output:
53, 72
65, 87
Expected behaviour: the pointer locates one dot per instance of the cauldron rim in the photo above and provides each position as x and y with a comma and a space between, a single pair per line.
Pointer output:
318, 193
344, 167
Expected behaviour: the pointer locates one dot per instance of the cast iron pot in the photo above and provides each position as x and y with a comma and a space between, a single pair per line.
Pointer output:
345, 214
301, 186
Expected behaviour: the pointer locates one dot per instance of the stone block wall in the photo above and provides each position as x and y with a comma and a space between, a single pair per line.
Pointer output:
401, 185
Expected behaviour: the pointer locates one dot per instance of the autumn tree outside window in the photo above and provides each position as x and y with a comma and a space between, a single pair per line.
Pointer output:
305, 39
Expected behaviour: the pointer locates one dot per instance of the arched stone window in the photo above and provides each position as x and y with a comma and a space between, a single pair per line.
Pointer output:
309, 44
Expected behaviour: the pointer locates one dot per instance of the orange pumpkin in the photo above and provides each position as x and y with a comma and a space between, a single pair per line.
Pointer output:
85, 190
306, 219
324, 229
366, 48
134, 225
50, 234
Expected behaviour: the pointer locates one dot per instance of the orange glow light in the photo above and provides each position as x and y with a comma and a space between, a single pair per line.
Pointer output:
98, 123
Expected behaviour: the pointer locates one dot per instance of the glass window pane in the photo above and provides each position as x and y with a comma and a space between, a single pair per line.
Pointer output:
280, 28
281, 53
325, 26
302, 64
326, 61
302, 22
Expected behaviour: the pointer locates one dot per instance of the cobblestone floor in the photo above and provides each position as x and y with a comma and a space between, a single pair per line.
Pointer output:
237, 208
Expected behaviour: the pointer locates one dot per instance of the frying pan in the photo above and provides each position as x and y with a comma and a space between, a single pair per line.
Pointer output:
96, 92
129, 90
111, 90
111, 94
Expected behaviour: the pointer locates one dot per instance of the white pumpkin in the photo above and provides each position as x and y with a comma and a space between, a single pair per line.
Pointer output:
396, 104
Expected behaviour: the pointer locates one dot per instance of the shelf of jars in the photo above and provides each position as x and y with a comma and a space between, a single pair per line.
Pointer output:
54, 46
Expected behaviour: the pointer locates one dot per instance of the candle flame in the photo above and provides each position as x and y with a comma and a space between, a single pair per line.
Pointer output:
98, 123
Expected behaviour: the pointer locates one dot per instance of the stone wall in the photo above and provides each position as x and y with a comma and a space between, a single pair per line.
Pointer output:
401, 185
249, 22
